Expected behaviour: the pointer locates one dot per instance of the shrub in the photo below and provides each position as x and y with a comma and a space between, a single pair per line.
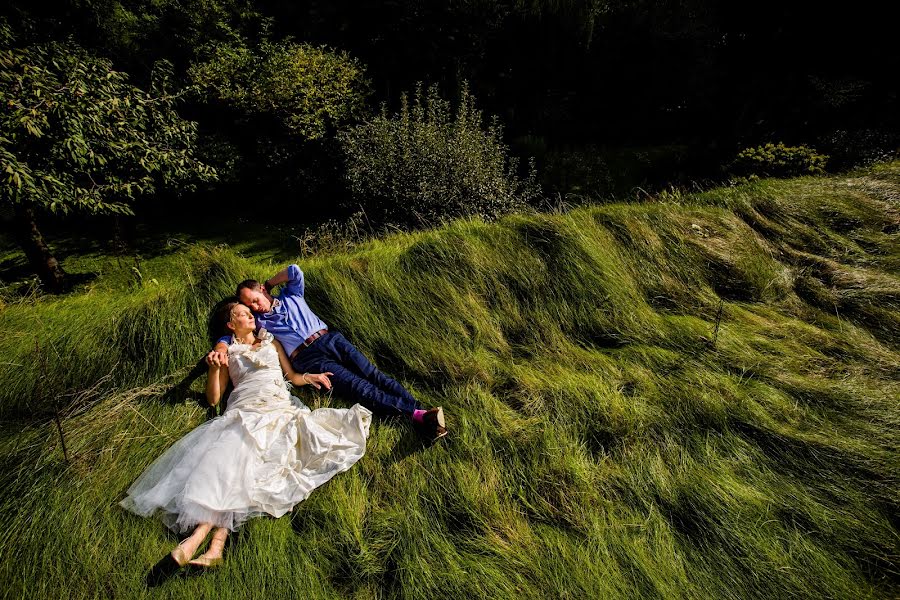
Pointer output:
428, 163
778, 160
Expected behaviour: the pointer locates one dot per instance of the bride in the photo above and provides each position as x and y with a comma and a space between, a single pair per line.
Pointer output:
263, 455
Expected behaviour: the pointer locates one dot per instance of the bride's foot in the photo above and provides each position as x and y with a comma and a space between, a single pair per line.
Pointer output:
213, 555
207, 562
180, 555
177, 558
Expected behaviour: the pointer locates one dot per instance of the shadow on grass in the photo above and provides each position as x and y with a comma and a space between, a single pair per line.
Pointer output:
303, 517
181, 391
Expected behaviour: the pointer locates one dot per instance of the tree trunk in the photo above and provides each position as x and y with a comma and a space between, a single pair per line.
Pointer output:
36, 250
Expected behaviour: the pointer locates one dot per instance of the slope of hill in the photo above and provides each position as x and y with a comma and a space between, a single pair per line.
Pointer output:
694, 396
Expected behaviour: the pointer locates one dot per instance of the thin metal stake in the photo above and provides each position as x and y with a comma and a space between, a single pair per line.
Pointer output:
718, 320
39, 392
61, 438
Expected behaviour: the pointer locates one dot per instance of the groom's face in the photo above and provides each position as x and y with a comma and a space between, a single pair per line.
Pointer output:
255, 300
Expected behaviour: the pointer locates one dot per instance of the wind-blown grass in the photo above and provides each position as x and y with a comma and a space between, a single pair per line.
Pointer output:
608, 439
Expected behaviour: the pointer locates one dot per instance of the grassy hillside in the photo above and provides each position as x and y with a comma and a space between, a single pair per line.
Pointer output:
691, 397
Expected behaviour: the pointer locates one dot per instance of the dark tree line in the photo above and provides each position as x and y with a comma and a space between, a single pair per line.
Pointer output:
616, 71
706, 76
580, 71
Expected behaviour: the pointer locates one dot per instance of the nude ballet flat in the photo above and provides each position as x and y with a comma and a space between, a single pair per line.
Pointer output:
207, 563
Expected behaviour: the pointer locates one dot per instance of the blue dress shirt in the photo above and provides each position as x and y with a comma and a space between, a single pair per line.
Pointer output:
290, 319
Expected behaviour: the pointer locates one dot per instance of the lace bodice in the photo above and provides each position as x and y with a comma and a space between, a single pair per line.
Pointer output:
256, 372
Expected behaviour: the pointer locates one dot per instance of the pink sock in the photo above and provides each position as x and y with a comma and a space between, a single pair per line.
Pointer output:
417, 415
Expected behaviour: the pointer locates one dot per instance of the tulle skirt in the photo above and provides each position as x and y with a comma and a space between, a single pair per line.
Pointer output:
257, 458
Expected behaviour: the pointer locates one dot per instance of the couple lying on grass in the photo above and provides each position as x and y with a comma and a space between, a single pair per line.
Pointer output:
267, 451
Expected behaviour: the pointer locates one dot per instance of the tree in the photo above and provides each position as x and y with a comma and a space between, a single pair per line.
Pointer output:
307, 90
75, 136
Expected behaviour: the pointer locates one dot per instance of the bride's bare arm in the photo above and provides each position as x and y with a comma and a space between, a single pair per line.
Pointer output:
216, 382
317, 380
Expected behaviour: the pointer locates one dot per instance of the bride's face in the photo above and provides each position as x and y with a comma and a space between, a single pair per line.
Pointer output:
242, 319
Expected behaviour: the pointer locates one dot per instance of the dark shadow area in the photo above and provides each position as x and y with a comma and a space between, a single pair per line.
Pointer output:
873, 313
411, 443
795, 457
181, 392
666, 304
595, 339
14, 268
511, 393
77, 280
127, 241
23, 279
691, 521
389, 362
729, 283
602, 441
307, 514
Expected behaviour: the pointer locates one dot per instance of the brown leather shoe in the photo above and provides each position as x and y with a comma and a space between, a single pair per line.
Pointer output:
433, 426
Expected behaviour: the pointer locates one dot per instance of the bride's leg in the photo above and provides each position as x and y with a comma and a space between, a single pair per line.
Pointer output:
188, 546
213, 554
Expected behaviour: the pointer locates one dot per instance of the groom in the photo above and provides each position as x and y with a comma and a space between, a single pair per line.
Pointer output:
312, 348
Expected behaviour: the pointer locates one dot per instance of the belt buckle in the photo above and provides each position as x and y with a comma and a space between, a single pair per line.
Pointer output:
314, 337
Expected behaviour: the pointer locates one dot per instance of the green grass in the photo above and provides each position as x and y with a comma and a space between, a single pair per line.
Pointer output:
602, 445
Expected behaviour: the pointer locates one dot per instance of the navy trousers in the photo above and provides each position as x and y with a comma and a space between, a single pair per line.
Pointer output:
354, 377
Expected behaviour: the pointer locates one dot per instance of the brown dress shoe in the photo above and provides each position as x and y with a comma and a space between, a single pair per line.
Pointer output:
433, 426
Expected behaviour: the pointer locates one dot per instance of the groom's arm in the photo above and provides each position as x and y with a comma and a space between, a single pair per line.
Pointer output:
282, 276
292, 276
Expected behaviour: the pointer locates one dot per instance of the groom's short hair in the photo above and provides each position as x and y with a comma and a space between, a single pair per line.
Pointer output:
251, 284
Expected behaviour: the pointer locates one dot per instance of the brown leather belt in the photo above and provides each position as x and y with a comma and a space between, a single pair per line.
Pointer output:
308, 342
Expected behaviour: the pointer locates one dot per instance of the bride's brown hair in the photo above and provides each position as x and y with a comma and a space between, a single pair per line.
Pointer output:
218, 324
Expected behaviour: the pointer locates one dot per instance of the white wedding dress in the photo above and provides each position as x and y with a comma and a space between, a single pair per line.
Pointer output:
263, 455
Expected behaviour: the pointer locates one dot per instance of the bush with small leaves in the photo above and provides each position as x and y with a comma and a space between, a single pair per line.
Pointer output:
778, 160
430, 162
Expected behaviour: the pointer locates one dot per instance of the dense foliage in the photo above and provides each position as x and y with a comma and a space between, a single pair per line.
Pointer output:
609, 97
310, 91
431, 162
778, 160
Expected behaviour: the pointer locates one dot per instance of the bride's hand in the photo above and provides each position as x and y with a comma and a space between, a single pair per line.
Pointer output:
317, 380
217, 359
